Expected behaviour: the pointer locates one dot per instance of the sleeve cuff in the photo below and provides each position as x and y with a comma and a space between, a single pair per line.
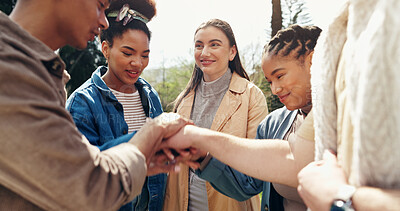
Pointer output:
205, 161
133, 168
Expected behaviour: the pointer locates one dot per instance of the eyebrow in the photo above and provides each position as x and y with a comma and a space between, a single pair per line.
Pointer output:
132, 49
213, 40
274, 72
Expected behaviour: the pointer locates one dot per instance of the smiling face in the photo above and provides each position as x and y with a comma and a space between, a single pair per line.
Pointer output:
289, 79
212, 52
127, 58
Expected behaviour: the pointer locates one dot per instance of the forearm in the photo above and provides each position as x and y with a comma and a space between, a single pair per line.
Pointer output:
368, 198
230, 182
247, 156
117, 141
66, 164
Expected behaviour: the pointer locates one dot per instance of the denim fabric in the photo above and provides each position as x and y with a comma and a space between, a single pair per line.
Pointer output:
240, 186
100, 117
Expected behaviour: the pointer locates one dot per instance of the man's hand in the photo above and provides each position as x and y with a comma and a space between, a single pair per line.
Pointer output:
150, 136
319, 182
161, 163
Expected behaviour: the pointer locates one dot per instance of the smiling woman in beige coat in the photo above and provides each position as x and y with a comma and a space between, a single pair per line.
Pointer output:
219, 96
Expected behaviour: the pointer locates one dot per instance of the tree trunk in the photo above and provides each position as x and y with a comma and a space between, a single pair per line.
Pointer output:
276, 19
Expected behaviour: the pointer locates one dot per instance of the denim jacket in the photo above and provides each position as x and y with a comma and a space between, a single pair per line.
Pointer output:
240, 186
100, 117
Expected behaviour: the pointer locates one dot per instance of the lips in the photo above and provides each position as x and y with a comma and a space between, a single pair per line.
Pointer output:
206, 62
92, 37
282, 98
94, 33
132, 73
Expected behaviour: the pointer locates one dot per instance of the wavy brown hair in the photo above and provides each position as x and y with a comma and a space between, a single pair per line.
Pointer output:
235, 65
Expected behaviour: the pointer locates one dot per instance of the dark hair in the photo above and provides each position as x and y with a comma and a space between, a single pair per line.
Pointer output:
235, 65
303, 38
117, 29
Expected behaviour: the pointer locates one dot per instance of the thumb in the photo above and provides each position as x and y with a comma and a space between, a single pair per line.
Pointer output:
329, 157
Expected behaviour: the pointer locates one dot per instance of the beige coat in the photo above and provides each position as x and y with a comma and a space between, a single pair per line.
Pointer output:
241, 110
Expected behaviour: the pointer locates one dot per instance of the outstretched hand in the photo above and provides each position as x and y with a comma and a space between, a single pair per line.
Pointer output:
182, 140
161, 163
150, 136
319, 182
180, 146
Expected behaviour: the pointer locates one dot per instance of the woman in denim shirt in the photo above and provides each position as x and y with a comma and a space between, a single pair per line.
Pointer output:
115, 101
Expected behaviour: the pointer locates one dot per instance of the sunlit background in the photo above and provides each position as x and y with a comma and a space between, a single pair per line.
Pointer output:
176, 21
171, 46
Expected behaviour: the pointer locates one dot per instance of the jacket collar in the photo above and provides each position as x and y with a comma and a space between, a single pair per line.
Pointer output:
238, 84
140, 84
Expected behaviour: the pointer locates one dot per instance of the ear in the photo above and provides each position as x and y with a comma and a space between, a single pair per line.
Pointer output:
309, 58
105, 49
232, 53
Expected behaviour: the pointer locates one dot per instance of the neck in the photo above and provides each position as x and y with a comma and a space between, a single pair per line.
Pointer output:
306, 109
114, 83
39, 24
210, 78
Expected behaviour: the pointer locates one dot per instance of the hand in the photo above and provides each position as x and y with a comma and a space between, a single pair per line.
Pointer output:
149, 137
197, 156
183, 139
319, 182
160, 163
181, 156
182, 142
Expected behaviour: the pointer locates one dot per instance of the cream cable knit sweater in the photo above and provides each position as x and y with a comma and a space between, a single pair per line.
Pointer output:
372, 29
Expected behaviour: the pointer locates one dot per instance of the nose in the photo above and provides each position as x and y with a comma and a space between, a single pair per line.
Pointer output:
275, 88
136, 61
205, 51
103, 22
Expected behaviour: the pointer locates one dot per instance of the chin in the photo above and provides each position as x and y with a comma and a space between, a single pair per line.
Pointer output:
79, 45
292, 107
82, 47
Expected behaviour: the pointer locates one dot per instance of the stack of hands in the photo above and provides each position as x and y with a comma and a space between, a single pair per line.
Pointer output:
165, 143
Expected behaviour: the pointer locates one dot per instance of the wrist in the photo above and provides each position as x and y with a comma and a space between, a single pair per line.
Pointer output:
205, 161
343, 199
195, 134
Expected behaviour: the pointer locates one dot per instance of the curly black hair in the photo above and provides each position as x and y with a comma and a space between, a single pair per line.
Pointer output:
303, 38
116, 29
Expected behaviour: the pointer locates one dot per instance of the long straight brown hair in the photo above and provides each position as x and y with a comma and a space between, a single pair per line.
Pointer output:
235, 65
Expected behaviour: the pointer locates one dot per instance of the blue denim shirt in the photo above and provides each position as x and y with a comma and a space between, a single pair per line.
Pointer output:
240, 186
100, 117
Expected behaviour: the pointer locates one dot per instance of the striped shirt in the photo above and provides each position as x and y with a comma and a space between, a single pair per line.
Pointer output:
133, 110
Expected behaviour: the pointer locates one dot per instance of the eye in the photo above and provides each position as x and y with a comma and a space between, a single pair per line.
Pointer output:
279, 76
145, 56
127, 54
198, 46
215, 44
101, 5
